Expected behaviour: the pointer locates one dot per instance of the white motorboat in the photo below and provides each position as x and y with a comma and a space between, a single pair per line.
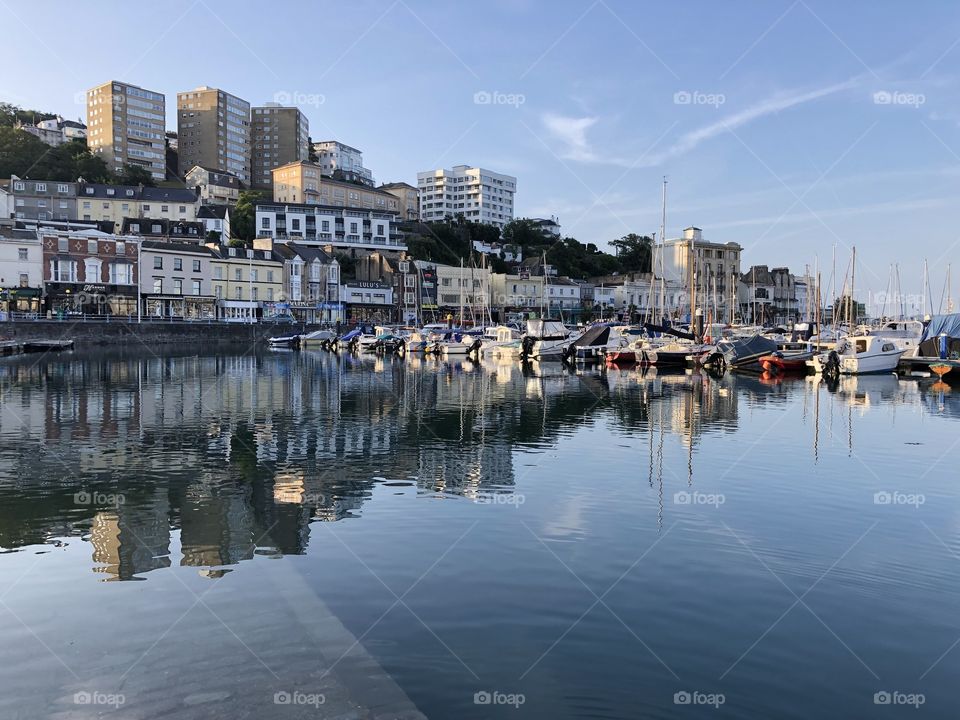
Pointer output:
905, 334
545, 340
317, 338
498, 336
859, 355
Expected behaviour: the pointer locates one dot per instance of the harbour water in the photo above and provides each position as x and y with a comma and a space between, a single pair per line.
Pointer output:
297, 534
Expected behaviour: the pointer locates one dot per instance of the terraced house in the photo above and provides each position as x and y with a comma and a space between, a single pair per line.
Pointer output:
311, 281
90, 272
175, 280
247, 283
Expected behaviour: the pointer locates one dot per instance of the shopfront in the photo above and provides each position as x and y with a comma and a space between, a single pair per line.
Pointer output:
91, 299
181, 307
21, 299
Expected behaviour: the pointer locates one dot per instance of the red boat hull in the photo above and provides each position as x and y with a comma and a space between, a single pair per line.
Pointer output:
774, 363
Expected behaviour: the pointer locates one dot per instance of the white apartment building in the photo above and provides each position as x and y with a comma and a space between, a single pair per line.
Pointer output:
562, 294
481, 196
333, 155
126, 125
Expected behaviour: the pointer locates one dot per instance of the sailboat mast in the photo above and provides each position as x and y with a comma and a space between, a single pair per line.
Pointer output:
663, 247
853, 276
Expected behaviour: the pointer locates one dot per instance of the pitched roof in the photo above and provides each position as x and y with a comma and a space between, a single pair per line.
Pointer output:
136, 192
173, 246
308, 253
213, 211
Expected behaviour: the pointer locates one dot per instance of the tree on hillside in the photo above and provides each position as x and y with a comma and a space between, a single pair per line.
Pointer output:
26, 156
11, 114
635, 252
136, 175
243, 218
311, 153
525, 233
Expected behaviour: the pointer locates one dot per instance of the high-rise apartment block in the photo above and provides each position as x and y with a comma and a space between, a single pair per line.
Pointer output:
280, 135
213, 131
126, 126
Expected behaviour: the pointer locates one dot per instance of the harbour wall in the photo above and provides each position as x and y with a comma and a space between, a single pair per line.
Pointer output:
90, 334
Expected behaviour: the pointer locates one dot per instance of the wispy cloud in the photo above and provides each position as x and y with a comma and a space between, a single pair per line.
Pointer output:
572, 133
768, 106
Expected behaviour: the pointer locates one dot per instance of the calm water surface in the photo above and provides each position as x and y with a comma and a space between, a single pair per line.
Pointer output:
305, 535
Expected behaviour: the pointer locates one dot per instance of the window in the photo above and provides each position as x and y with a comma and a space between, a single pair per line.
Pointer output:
295, 224
183, 209
157, 262
91, 270
18, 186
253, 294
238, 275
121, 248
91, 247
325, 225
269, 275
164, 208
195, 287
178, 263
62, 188
146, 208
253, 275
121, 273
158, 286
63, 270
41, 187
22, 253
196, 266
218, 273
178, 287
24, 280
270, 294
218, 291
63, 245
238, 293
265, 223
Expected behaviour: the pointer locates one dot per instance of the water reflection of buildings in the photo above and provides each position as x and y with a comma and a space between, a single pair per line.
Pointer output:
240, 454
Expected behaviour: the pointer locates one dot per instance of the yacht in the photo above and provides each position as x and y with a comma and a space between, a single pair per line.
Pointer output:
499, 336
317, 338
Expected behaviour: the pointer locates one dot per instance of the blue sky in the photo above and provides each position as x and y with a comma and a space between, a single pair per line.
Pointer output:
765, 116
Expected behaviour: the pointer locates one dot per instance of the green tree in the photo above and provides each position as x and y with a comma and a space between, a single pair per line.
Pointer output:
136, 175
524, 232
24, 155
634, 252
243, 218
11, 114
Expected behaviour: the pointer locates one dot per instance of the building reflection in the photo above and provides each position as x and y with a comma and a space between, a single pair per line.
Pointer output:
230, 457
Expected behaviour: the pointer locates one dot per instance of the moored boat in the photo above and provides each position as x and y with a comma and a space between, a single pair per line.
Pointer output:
784, 362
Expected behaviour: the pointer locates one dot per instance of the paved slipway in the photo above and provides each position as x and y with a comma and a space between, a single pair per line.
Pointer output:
281, 638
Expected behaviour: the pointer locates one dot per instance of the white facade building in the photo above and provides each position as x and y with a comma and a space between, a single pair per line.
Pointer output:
469, 287
562, 294
333, 155
342, 228
479, 195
